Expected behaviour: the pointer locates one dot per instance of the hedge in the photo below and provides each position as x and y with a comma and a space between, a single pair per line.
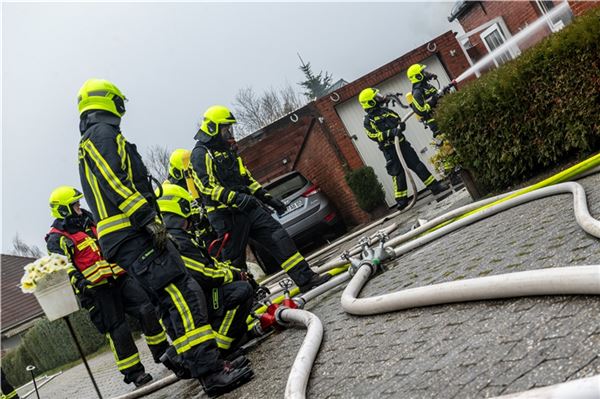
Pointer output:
532, 113
48, 345
366, 188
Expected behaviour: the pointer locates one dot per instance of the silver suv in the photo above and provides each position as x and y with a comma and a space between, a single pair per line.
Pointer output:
310, 216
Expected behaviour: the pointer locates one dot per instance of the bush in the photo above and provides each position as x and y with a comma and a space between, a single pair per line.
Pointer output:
366, 188
49, 345
533, 112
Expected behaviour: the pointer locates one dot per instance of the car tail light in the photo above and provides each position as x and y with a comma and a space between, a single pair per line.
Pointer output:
312, 190
330, 217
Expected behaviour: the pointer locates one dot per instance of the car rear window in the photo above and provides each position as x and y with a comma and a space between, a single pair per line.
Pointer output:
286, 187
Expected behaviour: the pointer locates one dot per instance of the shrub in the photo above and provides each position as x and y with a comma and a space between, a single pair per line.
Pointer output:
49, 345
366, 188
533, 112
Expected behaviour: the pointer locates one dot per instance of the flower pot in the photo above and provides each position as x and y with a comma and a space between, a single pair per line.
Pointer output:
56, 297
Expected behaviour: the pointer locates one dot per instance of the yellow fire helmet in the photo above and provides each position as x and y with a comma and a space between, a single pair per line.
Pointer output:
179, 161
100, 94
61, 200
366, 98
414, 72
214, 117
175, 200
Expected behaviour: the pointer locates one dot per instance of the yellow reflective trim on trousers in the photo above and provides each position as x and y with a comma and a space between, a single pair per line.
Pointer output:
227, 320
201, 268
111, 224
10, 395
292, 261
93, 182
132, 204
429, 180
193, 338
397, 192
106, 171
182, 307
128, 362
156, 339
223, 341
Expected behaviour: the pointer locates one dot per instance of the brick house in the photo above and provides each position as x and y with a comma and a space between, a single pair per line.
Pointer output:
19, 310
325, 138
489, 24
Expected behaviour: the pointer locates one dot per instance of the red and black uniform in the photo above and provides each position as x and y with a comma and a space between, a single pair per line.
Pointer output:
228, 297
107, 292
224, 183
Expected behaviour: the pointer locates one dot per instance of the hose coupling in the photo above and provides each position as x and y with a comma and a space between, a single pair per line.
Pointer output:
278, 313
354, 266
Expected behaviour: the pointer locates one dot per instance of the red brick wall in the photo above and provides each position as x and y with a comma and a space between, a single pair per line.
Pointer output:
580, 7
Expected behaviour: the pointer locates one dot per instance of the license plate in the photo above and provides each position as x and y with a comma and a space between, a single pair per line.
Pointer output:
295, 205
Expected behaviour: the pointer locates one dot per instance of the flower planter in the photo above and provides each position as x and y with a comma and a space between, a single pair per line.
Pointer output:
55, 295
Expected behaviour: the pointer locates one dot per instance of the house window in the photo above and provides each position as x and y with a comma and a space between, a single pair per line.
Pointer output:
557, 22
493, 37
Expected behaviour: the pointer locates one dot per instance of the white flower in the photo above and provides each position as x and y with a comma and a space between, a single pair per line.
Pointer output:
41, 270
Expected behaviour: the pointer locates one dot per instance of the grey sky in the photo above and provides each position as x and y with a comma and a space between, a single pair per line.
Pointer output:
172, 61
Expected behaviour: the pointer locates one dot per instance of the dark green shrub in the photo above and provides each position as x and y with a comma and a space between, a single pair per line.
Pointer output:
366, 188
533, 112
49, 345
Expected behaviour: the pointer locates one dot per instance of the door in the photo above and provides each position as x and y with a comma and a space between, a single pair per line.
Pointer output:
494, 37
352, 115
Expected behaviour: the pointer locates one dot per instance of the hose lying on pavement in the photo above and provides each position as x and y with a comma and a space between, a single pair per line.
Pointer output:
298, 378
584, 388
148, 389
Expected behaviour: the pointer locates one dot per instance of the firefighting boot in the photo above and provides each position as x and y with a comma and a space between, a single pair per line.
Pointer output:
314, 281
439, 190
401, 203
139, 379
225, 380
170, 360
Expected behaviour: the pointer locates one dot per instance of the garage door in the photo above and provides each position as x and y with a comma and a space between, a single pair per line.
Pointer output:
352, 116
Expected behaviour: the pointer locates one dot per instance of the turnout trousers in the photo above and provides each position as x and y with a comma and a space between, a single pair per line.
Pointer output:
180, 300
395, 169
8, 391
258, 225
108, 304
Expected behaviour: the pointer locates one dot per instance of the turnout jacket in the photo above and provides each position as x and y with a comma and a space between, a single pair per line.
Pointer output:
219, 173
209, 272
378, 123
115, 181
422, 92
75, 238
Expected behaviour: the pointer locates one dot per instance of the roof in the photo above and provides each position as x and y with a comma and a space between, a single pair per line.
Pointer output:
17, 307
460, 7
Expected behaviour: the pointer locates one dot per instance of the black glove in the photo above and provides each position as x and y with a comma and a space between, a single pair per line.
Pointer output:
84, 286
276, 204
245, 202
433, 101
158, 231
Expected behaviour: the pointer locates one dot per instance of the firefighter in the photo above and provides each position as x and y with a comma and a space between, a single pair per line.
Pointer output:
117, 187
382, 125
104, 289
425, 96
180, 174
8, 391
235, 201
228, 293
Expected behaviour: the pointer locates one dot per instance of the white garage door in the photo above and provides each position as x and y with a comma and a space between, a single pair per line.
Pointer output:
352, 116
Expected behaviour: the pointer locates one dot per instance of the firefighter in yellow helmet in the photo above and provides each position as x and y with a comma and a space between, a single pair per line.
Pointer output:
383, 125
104, 289
425, 96
180, 173
227, 290
235, 202
131, 234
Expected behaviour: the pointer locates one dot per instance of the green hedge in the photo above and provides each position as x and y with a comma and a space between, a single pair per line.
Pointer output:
532, 113
48, 345
366, 188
